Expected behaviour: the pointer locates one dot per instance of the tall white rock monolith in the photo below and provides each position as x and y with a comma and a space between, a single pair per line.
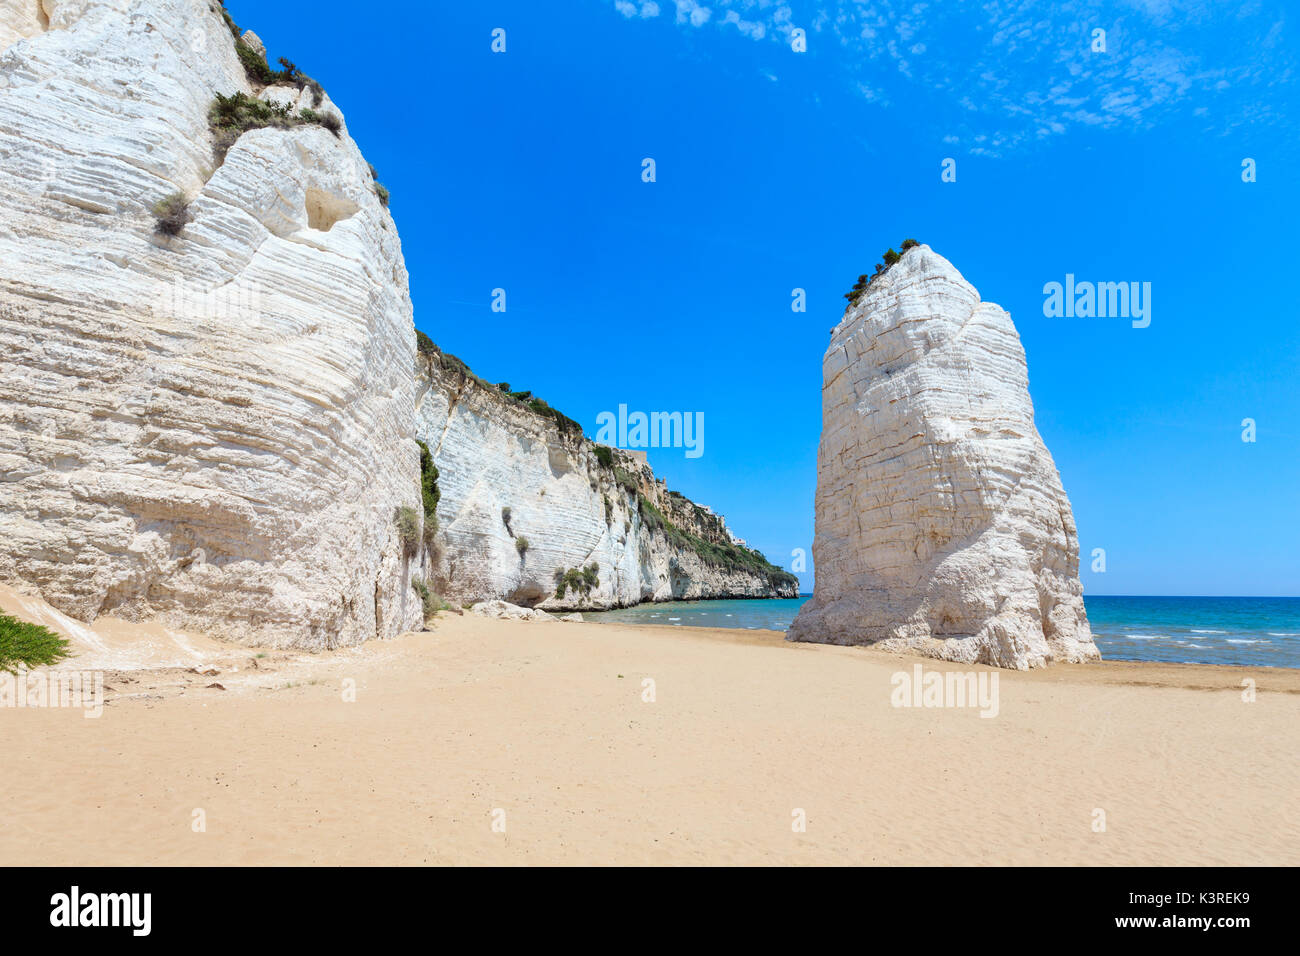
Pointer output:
942, 527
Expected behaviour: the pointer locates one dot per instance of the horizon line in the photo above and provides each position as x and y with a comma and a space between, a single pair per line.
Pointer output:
1267, 597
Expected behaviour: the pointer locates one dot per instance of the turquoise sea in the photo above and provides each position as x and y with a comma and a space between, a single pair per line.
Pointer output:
1196, 630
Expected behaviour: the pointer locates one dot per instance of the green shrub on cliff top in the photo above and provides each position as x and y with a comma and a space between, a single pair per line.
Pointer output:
260, 73
864, 281
255, 65
524, 399
230, 22
231, 116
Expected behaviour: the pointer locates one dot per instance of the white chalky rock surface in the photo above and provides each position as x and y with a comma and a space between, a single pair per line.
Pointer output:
509, 612
213, 429
254, 41
493, 454
941, 527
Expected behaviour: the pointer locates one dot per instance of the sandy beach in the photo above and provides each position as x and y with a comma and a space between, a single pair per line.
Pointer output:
542, 727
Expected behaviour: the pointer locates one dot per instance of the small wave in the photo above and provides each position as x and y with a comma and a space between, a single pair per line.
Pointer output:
674, 619
1199, 647
1194, 631
1148, 637
1283, 634
1244, 640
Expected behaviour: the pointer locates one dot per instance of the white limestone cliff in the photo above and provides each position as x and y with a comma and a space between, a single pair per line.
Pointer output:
212, 429
648, 543
941, 527
216, 429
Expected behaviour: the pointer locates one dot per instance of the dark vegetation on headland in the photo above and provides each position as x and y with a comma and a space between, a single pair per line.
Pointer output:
24, 645
864, 281
721, 552
523, 399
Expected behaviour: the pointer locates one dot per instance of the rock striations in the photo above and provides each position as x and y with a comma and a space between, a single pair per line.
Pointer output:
941, 526
212, 420
213, 428
526, 500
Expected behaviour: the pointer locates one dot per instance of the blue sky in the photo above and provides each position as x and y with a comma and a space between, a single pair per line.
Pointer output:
779, 169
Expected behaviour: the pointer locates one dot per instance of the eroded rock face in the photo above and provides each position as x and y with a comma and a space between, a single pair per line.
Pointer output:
570, 509
942, 527
216, 428
28, 18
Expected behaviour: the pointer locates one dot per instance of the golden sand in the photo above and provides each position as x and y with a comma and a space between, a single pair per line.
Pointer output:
544, 729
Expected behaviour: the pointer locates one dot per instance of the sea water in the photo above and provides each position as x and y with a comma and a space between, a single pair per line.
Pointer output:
1199, 630
1196, 630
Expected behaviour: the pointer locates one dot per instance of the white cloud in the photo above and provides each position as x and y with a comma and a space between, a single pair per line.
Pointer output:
871, 94
628, 9
689, 10
1016, 71
750, 28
